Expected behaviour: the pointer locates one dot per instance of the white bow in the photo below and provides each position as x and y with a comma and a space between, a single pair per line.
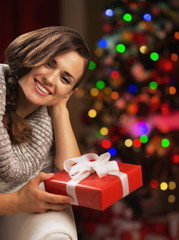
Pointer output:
85, 166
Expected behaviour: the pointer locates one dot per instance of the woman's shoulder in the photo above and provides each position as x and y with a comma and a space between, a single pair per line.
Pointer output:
4, 68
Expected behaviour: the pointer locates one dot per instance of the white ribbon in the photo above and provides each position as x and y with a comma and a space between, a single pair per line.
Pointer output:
90, 163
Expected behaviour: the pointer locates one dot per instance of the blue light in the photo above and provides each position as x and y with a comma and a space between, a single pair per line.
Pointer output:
112, 151
132, 88
102, 43
147, 17
143, 128
109, 13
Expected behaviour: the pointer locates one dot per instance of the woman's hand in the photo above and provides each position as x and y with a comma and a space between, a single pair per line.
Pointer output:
30, 198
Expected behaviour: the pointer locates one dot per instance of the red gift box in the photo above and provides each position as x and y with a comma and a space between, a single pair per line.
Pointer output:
97, 192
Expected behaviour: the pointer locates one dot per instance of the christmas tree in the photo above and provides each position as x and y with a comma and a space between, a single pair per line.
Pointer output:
132, 98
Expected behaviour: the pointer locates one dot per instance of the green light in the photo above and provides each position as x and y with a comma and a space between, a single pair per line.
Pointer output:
100, 84
153, 85
120, 48
154, 56
165, 142
127, 17
99, 135
144, 139
92, 65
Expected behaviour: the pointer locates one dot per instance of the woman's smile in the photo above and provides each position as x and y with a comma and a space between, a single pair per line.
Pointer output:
41, 89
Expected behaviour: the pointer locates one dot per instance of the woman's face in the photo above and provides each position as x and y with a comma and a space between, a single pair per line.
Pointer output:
50, 83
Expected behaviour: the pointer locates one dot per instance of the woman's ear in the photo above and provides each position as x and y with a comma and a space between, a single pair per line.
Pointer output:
71, 92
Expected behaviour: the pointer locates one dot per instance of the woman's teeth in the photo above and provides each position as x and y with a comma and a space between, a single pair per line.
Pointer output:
42, 88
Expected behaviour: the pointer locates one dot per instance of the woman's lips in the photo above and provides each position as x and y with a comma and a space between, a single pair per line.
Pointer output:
41, 89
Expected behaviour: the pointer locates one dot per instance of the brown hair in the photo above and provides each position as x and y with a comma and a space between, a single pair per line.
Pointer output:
30, 50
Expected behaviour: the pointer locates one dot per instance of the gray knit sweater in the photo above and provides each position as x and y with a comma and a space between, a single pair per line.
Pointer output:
19, 163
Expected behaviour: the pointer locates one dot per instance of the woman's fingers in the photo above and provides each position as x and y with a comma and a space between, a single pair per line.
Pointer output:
55, 198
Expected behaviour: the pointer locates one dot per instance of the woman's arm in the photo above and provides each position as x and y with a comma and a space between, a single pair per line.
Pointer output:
65, 140
31, 198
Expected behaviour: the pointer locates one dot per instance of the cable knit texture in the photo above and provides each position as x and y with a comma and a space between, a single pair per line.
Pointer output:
19, 163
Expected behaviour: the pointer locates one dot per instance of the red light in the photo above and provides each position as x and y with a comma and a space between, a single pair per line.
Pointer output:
154, 183
165, 108
133, 5
137, 142
115, 74
106, 144
175, 158
107, 28
168, 66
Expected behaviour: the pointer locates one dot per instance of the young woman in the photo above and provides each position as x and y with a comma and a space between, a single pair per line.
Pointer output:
44, 67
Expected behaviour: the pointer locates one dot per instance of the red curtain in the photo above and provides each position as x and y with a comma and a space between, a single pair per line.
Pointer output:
19, 16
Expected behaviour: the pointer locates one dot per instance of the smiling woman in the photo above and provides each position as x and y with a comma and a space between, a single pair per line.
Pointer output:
48, 84
44, 67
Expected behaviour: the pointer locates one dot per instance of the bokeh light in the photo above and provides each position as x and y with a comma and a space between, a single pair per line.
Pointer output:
120, 48
172, 185
147, 17
144, 139
154, 183
153, 85
154, 56
163, 186
132, 88
106, 144
92, 65
102, 43
128, 143
94, 92
109, 12
92, 113
100, 84
171, 198
112, 151
165, 142
127, 17
104, 131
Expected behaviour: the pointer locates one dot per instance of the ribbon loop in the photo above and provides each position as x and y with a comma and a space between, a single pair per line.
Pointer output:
90, 163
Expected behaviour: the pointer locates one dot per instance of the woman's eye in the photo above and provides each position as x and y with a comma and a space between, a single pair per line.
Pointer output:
49, 64
66, 80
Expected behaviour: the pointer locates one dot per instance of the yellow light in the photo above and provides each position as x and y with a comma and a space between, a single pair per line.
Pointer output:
163, 186
99, 52
172, 185
107, 90
143, 49
94, 92
104, 131
128, 143
171, 198
92, 113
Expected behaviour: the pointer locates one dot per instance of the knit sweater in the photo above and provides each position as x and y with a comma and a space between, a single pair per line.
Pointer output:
20, 162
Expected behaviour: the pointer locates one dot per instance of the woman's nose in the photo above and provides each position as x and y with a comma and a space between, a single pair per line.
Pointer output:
51, 77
